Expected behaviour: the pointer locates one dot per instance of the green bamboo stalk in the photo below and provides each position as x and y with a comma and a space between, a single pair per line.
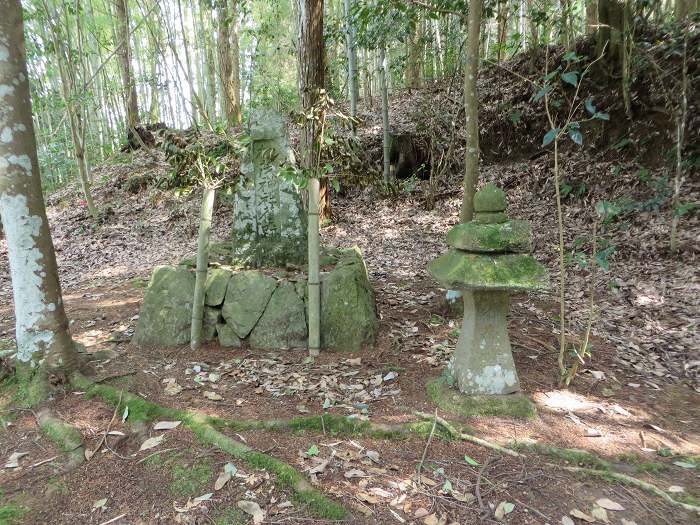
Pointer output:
202, 263
314, 312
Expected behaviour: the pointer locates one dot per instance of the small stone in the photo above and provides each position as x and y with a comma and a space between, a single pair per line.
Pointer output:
490, 198
247, 296
227, 337
215, 287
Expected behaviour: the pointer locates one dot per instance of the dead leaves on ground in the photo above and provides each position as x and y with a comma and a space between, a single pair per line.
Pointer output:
348, 384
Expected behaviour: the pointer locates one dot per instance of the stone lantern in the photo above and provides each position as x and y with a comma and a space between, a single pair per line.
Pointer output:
487, 260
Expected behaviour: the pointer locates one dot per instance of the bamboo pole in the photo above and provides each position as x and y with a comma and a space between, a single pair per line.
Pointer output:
202, 264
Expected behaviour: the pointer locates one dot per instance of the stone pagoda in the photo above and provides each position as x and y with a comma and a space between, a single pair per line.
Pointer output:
488, 259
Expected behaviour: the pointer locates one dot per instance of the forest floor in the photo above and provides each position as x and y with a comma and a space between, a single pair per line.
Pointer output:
634, 408
642, 423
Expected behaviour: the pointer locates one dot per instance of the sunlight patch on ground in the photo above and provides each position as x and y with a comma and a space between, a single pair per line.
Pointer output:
564, 400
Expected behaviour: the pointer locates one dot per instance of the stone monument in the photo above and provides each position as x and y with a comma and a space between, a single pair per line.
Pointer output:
269, 224
488, 259
255, 293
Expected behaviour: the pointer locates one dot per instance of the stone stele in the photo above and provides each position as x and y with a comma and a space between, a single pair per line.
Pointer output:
485, 262
269, 224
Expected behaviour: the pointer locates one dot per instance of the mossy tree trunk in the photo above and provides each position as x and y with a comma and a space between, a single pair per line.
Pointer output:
41, 324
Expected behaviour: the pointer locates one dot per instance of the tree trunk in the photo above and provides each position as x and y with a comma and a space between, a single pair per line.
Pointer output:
367, 83
75, 117
130, 101
210, 65
353, 92
386, 137
471, 111
41, 323
591, 15
414, 65
229, 61
202, 266
610, 34
311, 63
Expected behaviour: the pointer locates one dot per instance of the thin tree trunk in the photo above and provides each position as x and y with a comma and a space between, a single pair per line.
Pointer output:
311, 66
352, 61
681, 117
414, 66
202, 266
41, 323
386, 138
367, 83
130, 101
471, 111
74, 116
229, 61
188, 65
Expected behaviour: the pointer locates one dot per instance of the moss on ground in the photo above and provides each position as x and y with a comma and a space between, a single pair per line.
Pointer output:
12, 513
573, 456
232, 516
191, 480
67, 438
451, 400
201, 425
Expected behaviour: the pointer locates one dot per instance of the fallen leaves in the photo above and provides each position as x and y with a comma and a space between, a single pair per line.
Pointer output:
503, 508
166, 425
152, 442
13, 460
609, 504
252, 508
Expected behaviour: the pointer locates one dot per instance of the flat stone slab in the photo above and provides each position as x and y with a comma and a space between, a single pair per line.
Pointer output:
247, 296
216, 285
458, 270
165, 317
283, 324
449, 399
512, 236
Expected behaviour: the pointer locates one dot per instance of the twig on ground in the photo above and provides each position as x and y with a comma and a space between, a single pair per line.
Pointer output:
427, 445
156, 453
113, 519
109, 425
624, 478
468, 437
42, 462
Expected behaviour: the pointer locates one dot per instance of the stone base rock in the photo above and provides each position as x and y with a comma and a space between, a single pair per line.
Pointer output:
166, 314
261, 310
443, 393
348, 311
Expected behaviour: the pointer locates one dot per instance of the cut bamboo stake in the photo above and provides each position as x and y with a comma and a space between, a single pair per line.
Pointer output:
202, 263
314, 312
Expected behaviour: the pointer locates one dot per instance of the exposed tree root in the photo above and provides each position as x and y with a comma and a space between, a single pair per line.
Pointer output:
65, 436
201, 425
205, 428
629, 480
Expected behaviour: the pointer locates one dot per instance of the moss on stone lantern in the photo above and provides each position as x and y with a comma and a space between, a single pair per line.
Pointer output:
488, 259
